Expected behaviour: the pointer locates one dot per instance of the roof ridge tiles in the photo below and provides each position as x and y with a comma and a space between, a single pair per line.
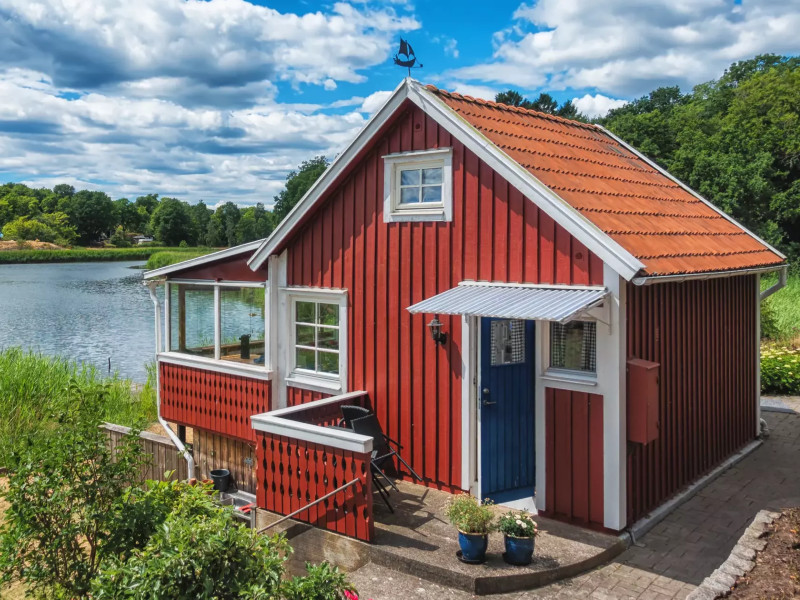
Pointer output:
510, 108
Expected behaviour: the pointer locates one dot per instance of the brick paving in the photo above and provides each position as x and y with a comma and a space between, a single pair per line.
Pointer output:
678, 553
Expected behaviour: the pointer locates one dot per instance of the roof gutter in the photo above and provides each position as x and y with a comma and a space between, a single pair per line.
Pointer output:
710, 275
151, 286
780, 284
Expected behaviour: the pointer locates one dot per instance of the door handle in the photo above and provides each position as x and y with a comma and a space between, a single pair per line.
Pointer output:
485, 394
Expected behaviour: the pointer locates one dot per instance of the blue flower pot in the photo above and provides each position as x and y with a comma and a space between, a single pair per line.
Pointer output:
519, 550
473, 546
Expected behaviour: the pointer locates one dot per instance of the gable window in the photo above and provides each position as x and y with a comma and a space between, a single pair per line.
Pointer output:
573, 346
317, 350
418, 186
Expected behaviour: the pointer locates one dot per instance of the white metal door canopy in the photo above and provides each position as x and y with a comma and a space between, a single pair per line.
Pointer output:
514, 301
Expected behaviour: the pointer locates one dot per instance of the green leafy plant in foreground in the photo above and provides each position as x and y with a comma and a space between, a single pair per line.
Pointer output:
468, 515
780, 369
322, 582
64, 493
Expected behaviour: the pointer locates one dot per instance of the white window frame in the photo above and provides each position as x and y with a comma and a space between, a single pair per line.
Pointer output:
202, 362
393, 164
307, 379
559, 375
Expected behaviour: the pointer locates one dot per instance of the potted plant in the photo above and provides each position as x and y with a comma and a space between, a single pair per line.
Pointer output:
473, 521
519, 531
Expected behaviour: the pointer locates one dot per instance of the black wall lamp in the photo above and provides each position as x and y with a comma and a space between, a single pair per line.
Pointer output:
439, 337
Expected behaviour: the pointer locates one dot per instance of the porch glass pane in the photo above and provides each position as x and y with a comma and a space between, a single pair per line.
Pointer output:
305, 359
192, 320
242, 324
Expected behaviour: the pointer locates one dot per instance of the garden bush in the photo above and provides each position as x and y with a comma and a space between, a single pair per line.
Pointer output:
780, 369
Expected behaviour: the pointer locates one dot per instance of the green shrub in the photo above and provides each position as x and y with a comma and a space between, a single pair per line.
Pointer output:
780, 370
323, 582
62, 493
468, 516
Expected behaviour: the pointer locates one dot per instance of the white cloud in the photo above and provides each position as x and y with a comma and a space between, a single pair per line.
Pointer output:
374, 101
476, 91
181, 97
597, 105
626, 48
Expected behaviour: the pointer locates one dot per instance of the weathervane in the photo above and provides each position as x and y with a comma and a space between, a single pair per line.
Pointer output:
410, 58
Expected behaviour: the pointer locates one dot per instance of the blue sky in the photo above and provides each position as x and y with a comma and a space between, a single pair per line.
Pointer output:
218, 100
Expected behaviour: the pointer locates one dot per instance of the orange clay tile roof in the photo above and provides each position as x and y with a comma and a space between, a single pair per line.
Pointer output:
667, 228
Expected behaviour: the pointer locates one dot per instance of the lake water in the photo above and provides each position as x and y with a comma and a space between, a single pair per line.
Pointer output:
89, 312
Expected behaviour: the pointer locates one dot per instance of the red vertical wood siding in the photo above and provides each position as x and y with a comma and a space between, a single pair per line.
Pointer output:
293, 473
213, 401
704, 335
574, 456
496, 234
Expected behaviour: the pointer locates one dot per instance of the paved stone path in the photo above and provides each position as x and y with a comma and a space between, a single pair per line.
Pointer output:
678, 553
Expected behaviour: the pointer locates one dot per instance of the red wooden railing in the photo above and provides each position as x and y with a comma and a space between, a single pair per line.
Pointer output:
300, 460
213, 401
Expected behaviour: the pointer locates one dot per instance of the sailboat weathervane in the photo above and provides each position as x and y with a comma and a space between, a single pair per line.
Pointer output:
405, 57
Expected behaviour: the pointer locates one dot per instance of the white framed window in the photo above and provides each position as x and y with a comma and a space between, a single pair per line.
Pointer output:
573, 348
418, 186
317, 353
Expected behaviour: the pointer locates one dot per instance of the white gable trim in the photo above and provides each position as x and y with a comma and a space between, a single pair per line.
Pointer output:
201, 260
688, 189
596, 240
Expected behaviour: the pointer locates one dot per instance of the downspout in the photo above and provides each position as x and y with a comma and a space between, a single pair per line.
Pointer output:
780, 284
151, 286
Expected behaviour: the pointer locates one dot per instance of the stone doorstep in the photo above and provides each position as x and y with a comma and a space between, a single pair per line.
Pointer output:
740, 561
317, 545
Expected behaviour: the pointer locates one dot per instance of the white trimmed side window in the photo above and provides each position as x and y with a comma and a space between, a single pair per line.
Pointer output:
318, 349
573, 347
418, 186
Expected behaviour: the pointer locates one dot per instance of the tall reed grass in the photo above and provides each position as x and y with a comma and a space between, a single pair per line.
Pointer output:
780, 313
34, 388
88, 254
170, 257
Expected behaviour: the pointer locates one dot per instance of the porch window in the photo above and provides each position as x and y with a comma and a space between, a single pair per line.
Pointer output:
217, 321
573, 346
418, 186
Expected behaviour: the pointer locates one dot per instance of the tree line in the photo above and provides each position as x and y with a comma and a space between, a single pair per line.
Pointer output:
66, 217
735, 140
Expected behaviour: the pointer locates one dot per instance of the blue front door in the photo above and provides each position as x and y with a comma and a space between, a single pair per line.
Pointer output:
506, 401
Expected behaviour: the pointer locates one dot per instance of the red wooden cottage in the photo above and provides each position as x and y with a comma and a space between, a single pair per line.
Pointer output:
534, 310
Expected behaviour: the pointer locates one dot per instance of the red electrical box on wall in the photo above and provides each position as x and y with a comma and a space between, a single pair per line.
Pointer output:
643, 384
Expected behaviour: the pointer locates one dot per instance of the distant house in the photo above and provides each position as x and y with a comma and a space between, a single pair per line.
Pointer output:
142, 239
535, 311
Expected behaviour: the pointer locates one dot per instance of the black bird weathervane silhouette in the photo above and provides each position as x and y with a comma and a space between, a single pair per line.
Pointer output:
405, 57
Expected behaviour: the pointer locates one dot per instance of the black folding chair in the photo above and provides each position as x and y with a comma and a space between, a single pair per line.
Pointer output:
382, 453
350, 412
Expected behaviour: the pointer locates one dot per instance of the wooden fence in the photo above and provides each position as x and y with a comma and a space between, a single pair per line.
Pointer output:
165, 456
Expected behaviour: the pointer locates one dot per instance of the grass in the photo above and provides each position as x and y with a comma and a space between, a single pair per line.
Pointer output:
34, 388
92, 254
780, 313
170, 257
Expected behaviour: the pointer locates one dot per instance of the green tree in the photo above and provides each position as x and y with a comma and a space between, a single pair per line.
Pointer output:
200, 215
255, 224
297, 184
544, 103
171, 222
92, 215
